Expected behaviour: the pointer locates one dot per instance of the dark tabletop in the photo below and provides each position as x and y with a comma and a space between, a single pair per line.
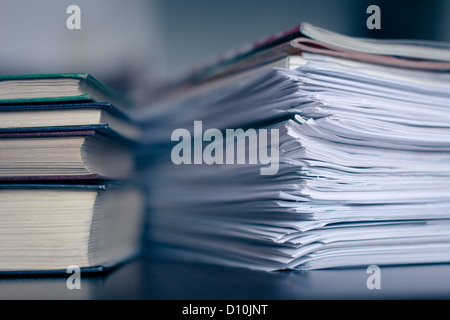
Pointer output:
148, 278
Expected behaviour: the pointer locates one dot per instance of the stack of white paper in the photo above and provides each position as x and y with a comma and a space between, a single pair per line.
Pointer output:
363, 173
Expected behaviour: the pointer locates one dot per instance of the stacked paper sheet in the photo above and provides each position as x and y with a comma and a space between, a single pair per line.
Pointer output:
363, 171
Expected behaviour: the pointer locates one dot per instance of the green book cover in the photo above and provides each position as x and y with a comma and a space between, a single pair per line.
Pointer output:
37, 88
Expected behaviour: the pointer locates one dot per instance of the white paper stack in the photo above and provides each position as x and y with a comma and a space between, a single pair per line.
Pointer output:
363, 171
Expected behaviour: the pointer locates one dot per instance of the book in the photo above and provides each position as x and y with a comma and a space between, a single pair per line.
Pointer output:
47, 228
64, 155
57, 88
99, 116
360, 150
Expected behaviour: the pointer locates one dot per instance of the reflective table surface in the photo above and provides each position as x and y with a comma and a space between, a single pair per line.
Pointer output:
147, 278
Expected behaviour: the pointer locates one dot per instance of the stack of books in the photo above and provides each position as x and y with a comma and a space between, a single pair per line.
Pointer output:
66, 163
310, 150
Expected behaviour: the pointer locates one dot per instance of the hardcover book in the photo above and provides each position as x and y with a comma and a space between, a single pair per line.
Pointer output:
58, 87
67, 155
45, 228
100, 116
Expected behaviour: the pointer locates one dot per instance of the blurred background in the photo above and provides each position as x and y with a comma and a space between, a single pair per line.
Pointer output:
122, 42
